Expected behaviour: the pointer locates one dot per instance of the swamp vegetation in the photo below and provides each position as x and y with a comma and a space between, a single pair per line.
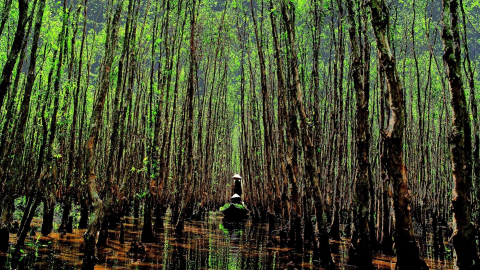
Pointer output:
354, 125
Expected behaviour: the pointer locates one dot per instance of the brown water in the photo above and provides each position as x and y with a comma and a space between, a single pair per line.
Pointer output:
209, 244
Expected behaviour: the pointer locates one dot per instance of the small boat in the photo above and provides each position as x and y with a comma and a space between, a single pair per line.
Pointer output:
235, 210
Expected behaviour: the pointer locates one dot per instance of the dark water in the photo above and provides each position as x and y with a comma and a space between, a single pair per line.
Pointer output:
209, 244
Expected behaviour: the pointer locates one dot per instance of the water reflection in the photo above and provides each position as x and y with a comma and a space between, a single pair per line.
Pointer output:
235, 230
209, 244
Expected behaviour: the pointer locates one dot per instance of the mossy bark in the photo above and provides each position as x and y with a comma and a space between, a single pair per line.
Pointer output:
90, 235
460, 143
360, 252
408, 255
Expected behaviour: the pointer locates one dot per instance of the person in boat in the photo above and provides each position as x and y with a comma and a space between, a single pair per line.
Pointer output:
237, 185
236, 199
235, 210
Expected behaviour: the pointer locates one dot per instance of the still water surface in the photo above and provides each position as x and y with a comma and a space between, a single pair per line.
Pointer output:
209, 244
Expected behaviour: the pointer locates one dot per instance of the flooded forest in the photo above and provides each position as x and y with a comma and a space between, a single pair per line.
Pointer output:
239, 134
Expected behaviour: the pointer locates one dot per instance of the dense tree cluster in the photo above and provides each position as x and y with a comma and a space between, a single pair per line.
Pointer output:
345, 118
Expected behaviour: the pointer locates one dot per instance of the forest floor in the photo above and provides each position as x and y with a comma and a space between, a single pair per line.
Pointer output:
209, 244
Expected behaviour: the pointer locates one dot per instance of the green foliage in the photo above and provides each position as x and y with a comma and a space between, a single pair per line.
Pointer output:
239, 206
225, 207
228, 118
228, 205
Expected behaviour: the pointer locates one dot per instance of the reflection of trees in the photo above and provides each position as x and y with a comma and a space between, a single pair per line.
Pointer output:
234, 232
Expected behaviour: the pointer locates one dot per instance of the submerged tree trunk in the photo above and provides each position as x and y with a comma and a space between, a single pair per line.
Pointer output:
408, 255
460, 143
67, 208
470, 74
189, 132
288, 14
22, 120
360, 253
48, 212
147, 231
90, 235
84, 213
271, 188
43, 175
290, 170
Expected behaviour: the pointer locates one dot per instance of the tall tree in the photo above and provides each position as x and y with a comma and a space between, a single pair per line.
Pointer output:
90, 235
5, 79
296, 95
408, 255
460, 142
360, 253
267, 135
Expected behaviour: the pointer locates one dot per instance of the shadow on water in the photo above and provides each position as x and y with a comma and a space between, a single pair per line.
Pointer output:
209, 244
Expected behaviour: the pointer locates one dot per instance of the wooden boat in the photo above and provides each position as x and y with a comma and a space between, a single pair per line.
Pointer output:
234, 210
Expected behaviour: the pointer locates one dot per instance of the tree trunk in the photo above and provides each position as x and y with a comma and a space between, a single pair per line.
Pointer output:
288, 11
189, 130
460, 143
386, 242
5, 81
271, 189
90, 235
25, 107
71, 158
291, 172
48, 211
84, 213
5, 14
147, 232
469, 72
408, 256
360, 253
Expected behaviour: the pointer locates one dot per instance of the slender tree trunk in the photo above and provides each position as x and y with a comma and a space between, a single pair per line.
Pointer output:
5, 12
291, 173
71, 159
5, 79
189, 130
460, 143
90, 235
271, 189
25, 107
386, 243
408, 255
360, 253
474, 107
43, 176
288, 11
48, 211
